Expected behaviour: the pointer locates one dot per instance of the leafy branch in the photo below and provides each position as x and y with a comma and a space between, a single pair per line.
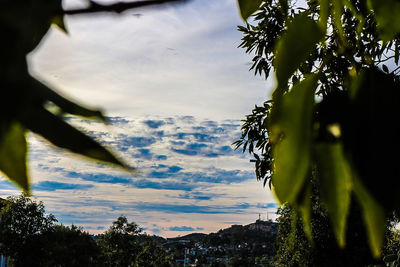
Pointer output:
330, 139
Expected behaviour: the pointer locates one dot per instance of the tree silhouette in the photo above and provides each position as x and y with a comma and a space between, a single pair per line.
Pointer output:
22, 223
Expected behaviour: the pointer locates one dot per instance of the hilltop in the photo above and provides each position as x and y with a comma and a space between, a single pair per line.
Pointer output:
241, 245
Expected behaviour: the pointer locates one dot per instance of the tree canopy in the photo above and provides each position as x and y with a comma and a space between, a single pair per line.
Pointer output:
30, 237
22, 222
332, 114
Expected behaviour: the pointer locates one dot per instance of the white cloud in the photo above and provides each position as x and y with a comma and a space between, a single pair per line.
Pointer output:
173, 61
198, 186
165, 64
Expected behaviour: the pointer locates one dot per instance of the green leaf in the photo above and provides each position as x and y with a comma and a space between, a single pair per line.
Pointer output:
13, 149
305, 210
387, 16
291, 135
335, 185
295, 45
374, 217
337, 16
248, 7
323, 14
63, 135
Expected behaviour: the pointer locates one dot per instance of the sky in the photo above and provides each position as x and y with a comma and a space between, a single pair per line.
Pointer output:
175, 87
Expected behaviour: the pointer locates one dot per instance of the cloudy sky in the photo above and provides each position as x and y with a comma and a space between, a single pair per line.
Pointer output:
175, 87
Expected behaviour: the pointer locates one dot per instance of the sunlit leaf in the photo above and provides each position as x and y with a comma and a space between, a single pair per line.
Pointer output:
335, 185
323, 14
13, 149
374, 217
291, 133
295, 45
63, 135
248, 7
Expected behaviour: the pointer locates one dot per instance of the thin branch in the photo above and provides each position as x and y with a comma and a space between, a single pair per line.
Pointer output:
118, 7
395, 71
383, 60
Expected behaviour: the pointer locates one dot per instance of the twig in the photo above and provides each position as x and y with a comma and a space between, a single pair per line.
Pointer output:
118, 7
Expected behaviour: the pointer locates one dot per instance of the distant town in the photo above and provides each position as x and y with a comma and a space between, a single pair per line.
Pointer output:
238, 245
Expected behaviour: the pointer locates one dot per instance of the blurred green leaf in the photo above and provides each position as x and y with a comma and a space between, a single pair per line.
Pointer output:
305, 210
43, 93
335, 185
64, 135
13, 150
337, 13
323, 14
291, 134
248, 7
374, 217
374, 101
295, 45
387, 15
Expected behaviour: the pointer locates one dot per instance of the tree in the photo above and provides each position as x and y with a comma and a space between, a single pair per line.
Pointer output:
295, 249
152, 254
344, 55
61, 246
22, 222
23, 24
65, 246
119, 244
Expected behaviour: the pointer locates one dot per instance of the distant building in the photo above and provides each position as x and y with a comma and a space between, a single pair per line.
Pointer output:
265, 226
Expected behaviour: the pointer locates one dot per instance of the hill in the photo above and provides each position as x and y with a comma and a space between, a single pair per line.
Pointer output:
238, 245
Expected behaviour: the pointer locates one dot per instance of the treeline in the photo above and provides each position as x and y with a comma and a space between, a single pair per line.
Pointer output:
30, 237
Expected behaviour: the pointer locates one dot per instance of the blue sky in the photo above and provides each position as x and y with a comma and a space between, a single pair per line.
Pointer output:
175, 87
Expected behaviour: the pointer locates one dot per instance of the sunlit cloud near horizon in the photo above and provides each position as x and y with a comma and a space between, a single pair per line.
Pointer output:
175, 87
